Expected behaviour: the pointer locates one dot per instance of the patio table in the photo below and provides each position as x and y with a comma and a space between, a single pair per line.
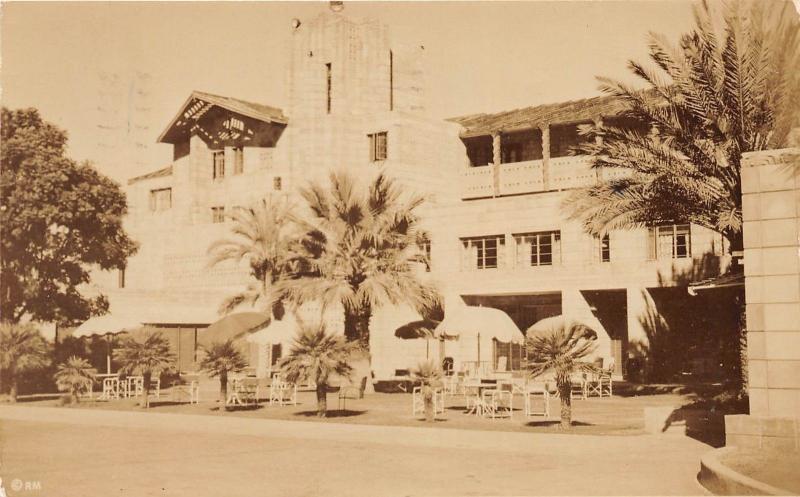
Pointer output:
474, 391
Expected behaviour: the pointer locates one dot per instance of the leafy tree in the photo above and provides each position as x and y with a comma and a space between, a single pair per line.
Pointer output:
261, 235
558, 348
22, 349
430, 377
220, 359
145, 353
57, 218
314, 356
359, 250
75, 376
723, 91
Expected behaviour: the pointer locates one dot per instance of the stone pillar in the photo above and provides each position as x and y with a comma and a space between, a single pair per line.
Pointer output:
497, 158
771, 214
545, 157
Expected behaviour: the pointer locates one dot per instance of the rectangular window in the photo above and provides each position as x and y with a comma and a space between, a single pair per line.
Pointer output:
238, 160
669, 242
604, 248
538, 249
277, 183
424, 245
219, 164
121, 278
160, 199
377, 146
484, 252
218, 214
328, 88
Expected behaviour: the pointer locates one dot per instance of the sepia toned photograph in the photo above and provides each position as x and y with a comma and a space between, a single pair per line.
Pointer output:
399, 248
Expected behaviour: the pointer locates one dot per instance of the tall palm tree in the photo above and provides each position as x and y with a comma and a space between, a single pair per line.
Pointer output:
261, 235
559, 348
314, 356
723, 91
74, 376
22, 349
145, 353
220, 359
359, 250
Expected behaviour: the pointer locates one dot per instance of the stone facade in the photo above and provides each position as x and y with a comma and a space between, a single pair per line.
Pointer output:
347, 82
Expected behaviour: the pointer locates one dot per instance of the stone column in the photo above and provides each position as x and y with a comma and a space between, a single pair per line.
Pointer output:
545, 157
497, 158
771, 214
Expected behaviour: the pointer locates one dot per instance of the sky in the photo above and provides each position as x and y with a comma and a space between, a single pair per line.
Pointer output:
114, 74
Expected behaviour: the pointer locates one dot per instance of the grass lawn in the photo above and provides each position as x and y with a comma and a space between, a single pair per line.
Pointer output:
594, 416
777, 468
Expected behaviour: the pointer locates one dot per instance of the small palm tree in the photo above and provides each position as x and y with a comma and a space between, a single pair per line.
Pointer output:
22, 349
431, 377
75, 376
260, 235
220, 359
559, 347
145, 353
316, 355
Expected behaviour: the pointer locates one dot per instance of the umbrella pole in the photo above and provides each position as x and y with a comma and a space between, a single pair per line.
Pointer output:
477, 370
108, 355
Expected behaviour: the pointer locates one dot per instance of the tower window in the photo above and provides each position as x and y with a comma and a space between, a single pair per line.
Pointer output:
238, 160
377, 146
328, 87
277, 183
219, 165
218, 214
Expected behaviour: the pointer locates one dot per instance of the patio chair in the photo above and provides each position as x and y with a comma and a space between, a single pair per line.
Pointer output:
533, 392
135, 386
282, 392
243, 392
418, 402
472, 397
498, 403
454, 384
186, 387
351, 392
110, 389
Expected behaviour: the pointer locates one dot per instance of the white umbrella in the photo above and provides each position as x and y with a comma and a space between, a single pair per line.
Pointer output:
277, 331
467, 321
107, 325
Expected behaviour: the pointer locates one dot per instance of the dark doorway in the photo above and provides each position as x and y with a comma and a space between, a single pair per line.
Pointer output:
611, 309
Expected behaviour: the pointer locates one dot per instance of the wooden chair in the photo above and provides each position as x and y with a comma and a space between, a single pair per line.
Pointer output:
243, 392
351, 392
110, 389
535, 391
498, 403
282, 392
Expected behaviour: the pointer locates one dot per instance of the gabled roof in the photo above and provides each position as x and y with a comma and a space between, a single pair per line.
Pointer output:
528, 117
167, 171
200, 102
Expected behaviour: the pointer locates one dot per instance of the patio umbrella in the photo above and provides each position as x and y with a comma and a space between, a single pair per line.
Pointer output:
277, 331
468, 321
233, 326
107, 325
547, 325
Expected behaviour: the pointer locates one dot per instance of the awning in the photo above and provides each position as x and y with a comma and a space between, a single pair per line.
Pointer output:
488, 322
277, 331
232, 326
108, 324
548, 325
727, 280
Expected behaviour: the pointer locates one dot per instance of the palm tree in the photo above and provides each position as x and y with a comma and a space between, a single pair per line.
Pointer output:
261, 235
22, 349
220, 359
75, 376
145, 353
559, 347
316, 355
715, 96
359, 250
431, 377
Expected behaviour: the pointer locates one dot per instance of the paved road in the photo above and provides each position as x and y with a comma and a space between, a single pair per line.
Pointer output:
70, 452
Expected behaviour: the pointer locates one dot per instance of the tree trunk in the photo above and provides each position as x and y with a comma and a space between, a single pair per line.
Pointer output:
75, 397
356, 324
146, 379
322, 400
223, 388
427, 394
12, 392
565, 393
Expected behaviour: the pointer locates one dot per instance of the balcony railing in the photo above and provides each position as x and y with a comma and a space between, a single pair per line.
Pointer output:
528, 177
